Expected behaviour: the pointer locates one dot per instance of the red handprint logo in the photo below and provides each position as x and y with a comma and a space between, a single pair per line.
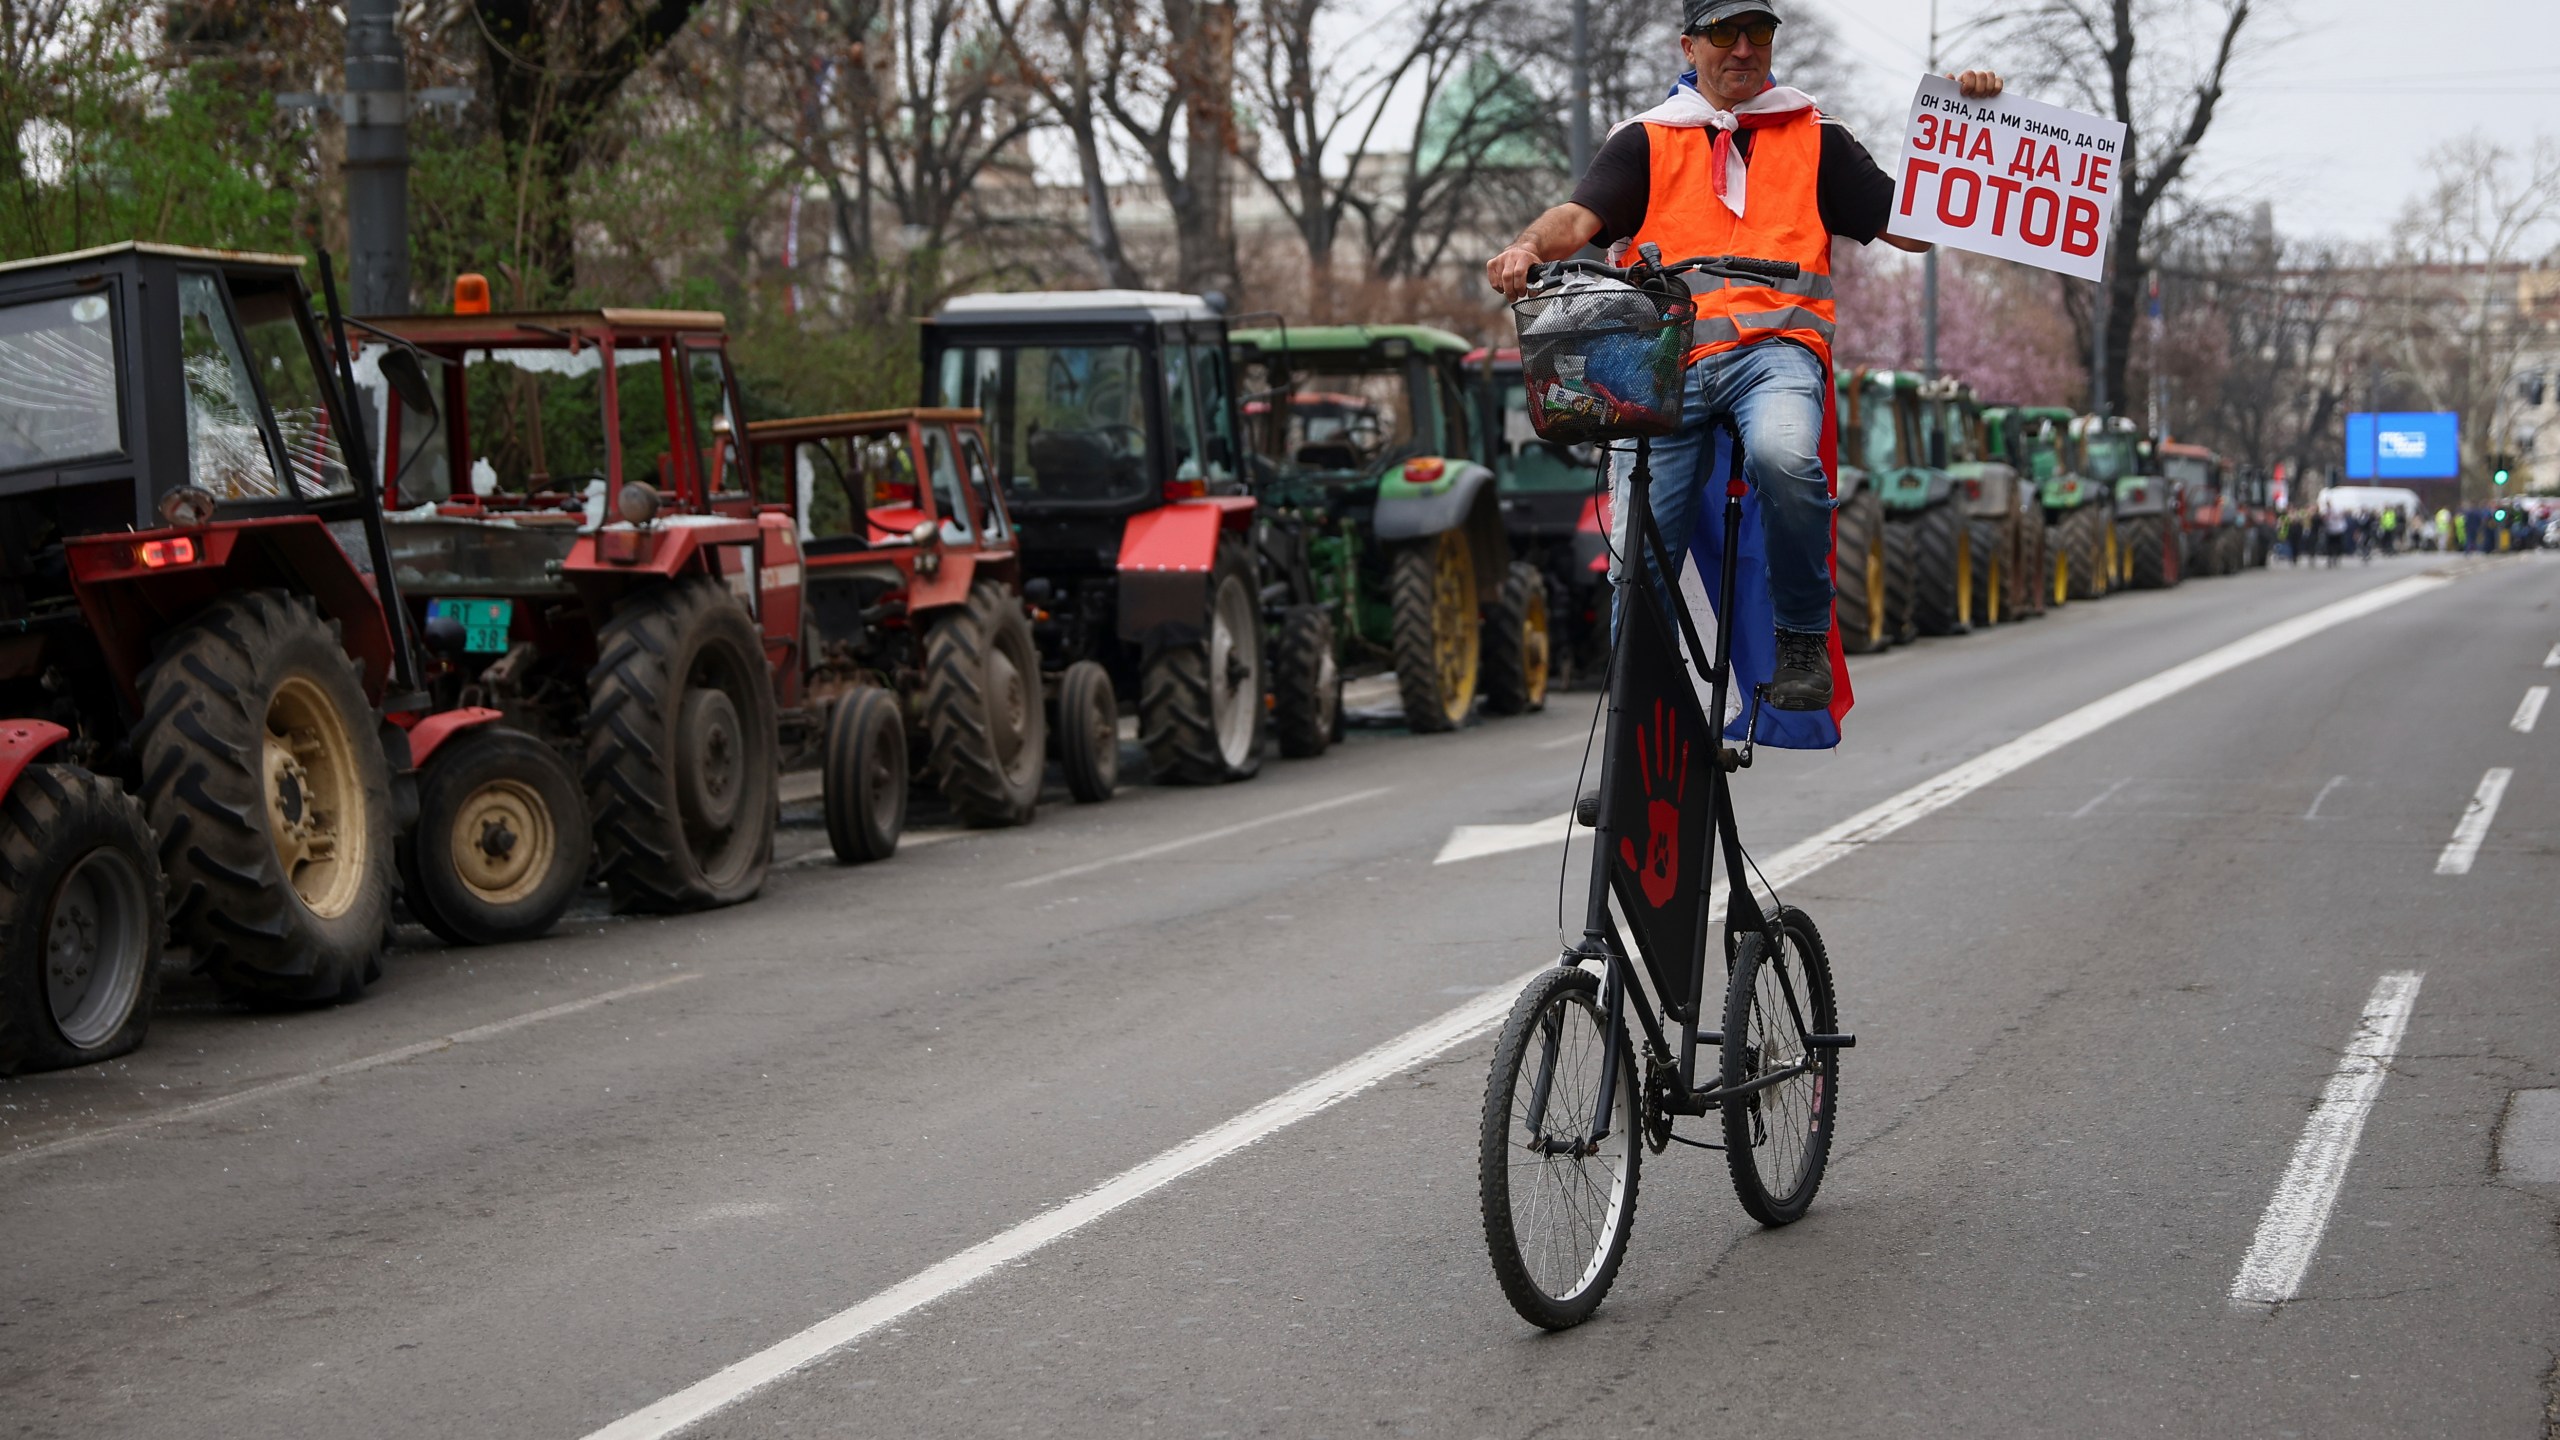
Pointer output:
1665, 772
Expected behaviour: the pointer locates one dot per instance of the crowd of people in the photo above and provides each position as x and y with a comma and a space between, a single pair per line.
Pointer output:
2331, 534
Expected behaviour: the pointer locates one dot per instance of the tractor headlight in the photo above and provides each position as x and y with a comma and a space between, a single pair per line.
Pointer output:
638, 503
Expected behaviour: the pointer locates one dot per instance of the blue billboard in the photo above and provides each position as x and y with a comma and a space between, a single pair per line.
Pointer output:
2404, 445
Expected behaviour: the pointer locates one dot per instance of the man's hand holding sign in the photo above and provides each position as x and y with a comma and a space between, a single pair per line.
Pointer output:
2016, 179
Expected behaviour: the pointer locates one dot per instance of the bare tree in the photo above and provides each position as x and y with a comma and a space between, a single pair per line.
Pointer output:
2102, 51
1073, 53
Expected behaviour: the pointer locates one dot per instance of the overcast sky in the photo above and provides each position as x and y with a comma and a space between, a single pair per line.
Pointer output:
2333, 121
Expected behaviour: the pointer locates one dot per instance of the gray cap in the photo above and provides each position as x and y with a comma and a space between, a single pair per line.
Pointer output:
1697, 15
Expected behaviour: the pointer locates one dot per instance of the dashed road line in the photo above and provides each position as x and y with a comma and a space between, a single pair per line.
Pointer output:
1149, 852
2289, 1232
2529, 709
376, 1061
2552, 660
2473, 827
723, 1388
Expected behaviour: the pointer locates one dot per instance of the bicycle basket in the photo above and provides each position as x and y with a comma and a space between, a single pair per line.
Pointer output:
1604, 360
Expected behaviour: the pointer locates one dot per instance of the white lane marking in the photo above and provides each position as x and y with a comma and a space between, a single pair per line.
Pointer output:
2100, 798
1471, 842
2289, 1233
1186, 842
2529, 709
2552, 660
716, 1392
1562, 741
2473, 827
2314, 812
376, 1061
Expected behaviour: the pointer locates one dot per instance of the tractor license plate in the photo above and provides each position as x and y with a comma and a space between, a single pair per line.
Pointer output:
484, 622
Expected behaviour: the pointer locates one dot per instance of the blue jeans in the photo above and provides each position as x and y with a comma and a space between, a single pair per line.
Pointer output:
1773, 390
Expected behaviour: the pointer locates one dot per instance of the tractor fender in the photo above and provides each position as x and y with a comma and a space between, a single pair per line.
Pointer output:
1463, 494
1166, 555
2141, 495
130, 601
1847, 482
21, 741
1915, 488
429, 734
1990, 487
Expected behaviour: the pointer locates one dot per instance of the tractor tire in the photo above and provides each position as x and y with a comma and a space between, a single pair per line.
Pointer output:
1200, 711
2080, 538
501, 844
2029, 582
682, 751
81, 918
1859, 579
1901, 579
271, 795
1432, 587
1306, 683
983, 720
2235, 547
1989, 595
2057, 566
2146, 557
863, 787
1516, 644
1939, 601
1089, 732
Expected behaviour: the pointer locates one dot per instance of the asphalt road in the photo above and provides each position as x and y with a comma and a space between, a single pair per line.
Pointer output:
534, 1190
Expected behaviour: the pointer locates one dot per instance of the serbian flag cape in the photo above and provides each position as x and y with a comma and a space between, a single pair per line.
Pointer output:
1755, 622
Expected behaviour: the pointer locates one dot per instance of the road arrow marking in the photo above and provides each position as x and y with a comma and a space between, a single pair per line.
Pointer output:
1474, 842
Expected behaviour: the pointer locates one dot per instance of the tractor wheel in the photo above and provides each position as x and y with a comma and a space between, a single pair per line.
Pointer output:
1864, 618
2057, 565
1200, 705
80, 920
501, 844
1516, 642
1901, 579
1306, 683
1089, 732
2119, 556
1939, 601
1432, 585
681, 750
982, 713
1989, 593
2080, 537
2235, 545
2144, 559
864, 783
2027, 578
272, 800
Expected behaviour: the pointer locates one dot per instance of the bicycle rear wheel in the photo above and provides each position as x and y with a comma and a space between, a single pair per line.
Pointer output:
1778, 1139
1557, 1209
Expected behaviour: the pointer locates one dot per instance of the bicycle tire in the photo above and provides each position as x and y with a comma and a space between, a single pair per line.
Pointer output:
1553, 1285
1778, 1140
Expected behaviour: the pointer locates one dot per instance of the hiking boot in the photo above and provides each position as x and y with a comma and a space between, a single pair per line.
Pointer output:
1803, 681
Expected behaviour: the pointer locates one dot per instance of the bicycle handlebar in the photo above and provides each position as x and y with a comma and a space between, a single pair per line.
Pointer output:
1650, 267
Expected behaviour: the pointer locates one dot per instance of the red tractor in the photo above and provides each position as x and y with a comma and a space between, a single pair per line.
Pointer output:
916, 627
584, 551
196, 654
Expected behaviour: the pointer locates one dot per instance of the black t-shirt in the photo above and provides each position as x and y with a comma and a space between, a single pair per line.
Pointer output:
1856, 197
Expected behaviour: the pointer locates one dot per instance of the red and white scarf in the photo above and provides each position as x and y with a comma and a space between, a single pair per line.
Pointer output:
1689, 109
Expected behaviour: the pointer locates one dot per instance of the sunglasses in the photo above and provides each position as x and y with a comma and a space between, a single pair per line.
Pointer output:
1723, 33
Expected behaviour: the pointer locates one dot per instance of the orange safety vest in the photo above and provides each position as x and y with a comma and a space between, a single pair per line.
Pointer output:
1783, 221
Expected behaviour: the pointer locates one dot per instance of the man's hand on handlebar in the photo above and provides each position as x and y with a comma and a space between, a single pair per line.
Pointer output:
1508, 272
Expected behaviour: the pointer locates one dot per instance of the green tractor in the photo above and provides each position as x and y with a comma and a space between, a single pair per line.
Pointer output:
1927, 536
1555, 506
1366, 470
2148, 509
2079, 515
2004, 520
1871, 568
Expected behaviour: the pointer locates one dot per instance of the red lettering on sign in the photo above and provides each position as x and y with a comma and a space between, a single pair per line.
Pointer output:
2051, 166
2003, 187
1947, 195
1928, 134
2023, 163
2080, 227
2028, 229
1982, 147
1912, 169
1951, 140
2098, 173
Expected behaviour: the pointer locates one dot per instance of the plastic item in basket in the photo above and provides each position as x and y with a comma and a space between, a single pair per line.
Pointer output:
1603, 360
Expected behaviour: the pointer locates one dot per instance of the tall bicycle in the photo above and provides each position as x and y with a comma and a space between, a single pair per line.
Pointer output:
1577, 1095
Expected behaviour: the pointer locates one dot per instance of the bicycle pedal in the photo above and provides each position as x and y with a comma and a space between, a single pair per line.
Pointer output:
1586, 811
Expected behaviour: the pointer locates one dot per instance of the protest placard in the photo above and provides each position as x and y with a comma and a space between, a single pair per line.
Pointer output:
2010, 177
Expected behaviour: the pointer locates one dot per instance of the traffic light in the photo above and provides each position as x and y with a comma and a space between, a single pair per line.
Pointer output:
2500, 466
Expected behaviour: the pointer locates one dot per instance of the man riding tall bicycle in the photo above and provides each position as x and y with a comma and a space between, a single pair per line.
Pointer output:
1732, 164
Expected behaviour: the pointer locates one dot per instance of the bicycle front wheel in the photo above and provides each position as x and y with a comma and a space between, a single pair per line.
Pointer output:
1778, 1138
1557, 1202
